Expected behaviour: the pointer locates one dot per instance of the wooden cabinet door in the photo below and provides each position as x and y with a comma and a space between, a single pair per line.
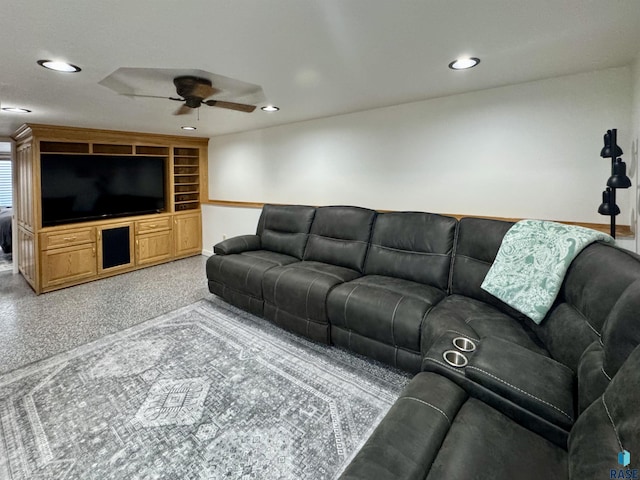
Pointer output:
115, 247
154, 247
68, 265
188, 234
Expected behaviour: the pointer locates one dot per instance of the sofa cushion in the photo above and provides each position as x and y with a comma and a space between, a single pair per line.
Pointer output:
477, 243
284, 228
244, 271
390, 310
588, 295
475, 319
340, 236
609, 426
301, 288
412, 245
620, 336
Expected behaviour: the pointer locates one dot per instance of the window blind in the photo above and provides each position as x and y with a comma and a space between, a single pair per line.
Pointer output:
6, 190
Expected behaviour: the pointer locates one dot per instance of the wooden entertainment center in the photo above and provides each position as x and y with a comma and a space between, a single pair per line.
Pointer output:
54, 257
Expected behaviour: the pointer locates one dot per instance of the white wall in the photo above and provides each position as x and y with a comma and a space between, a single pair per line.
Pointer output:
633, 166
527, 150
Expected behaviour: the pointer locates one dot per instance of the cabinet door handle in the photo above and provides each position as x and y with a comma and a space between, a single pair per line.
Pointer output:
69, 239
153, 226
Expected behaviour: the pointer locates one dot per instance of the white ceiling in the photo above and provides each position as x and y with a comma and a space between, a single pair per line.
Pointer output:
312, 58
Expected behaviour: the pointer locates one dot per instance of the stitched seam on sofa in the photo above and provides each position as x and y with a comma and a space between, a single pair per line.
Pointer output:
435, 360
346, 323
476, 259
393, 320
339, 239
454, 254
464, 335
412, 252
251, 253
417, 296
586, 320
522, 391
306, 298
384, 344
275, 288
592, 327
428, 405
615, 430
311, 269
605, 373
246, 277
226, 287
424, 317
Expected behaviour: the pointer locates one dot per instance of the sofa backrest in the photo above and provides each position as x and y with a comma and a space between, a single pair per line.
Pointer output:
608, 427
412, 245
340, 236
601, 361
285, 228
477, 243
592, 287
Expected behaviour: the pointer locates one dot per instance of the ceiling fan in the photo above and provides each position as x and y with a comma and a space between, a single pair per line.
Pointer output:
193, 88
194, 91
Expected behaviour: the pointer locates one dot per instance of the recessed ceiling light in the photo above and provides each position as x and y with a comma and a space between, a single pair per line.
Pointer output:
269, 108
16, 110
59, 66
464, 63
186, 127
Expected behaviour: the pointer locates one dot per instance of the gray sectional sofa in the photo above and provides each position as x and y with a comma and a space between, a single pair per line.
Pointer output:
556, 400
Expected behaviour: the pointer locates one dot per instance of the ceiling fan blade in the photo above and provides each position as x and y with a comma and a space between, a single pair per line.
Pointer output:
203, 90
240, 107
182, 110
144, 96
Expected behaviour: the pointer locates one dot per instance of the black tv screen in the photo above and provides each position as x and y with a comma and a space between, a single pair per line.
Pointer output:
77, 188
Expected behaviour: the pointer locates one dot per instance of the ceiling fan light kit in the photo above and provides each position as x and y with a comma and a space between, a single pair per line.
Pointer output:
269, 108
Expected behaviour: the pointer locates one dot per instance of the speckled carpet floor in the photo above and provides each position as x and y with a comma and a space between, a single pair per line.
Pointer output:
203, 392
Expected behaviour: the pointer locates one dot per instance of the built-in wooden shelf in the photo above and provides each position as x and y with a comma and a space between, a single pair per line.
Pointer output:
55, 257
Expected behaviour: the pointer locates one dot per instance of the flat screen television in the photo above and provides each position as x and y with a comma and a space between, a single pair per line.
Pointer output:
78, 188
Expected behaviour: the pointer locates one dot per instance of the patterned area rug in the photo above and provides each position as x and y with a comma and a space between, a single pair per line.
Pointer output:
204, 392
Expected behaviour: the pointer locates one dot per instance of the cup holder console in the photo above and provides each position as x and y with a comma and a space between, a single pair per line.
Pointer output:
464, 344
455, 358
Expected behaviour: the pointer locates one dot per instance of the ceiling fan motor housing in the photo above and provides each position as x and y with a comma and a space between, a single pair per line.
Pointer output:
186, 85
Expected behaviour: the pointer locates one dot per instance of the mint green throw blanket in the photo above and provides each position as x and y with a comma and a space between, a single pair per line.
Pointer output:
532, 261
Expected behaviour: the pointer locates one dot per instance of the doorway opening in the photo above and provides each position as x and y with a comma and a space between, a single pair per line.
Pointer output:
6, 208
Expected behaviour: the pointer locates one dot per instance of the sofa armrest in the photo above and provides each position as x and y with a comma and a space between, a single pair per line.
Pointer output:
242, 243
535, 382
409, 437
496, 374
